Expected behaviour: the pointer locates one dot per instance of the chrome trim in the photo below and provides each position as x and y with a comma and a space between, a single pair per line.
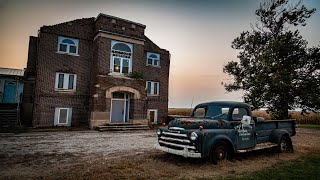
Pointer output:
185, 152
177, 145
174, 139
175, 134
177, 128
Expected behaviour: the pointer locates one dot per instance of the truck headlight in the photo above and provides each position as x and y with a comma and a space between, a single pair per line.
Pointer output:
193, 136
159, 132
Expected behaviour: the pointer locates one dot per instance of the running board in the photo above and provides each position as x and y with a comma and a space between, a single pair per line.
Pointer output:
258, 147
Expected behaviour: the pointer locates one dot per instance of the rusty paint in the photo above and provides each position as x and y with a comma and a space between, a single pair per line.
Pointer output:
221, 122
187, 122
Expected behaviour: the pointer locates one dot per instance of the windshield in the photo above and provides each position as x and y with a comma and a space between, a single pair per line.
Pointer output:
214, 112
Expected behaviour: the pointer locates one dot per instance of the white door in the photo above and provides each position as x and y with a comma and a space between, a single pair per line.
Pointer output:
153, 116
120, 107
117, 110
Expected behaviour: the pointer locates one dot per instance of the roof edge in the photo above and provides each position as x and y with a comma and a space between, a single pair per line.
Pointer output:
114, 17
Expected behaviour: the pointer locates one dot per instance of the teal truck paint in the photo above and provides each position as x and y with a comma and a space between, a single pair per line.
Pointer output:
217, 130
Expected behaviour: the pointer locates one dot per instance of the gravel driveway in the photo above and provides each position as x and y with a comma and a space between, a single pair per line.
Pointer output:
125, 155
76, 143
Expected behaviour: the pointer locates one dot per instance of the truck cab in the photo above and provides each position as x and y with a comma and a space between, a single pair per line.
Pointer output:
217, 130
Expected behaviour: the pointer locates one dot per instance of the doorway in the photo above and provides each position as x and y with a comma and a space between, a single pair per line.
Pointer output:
10, 92
153, 116
120, 105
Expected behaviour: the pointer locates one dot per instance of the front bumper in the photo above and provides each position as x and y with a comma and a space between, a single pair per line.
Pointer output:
185, 153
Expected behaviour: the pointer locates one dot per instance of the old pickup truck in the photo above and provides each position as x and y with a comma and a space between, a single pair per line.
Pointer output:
218, 130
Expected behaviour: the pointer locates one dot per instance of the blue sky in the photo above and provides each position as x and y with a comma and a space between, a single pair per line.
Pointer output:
198, 35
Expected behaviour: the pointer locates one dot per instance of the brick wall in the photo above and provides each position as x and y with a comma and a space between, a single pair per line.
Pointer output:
119, 26
49, 62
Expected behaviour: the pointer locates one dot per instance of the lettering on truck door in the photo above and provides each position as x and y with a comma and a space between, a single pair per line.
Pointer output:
245, 129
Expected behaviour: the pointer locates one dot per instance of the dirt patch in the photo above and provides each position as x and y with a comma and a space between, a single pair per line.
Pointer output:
126, 156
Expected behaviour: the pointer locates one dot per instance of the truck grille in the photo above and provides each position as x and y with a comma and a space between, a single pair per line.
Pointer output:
174, 139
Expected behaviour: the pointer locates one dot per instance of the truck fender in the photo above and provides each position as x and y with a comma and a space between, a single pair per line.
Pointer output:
217, 139
276, 135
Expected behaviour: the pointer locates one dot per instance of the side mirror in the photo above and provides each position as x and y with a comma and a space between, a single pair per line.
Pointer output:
246, 120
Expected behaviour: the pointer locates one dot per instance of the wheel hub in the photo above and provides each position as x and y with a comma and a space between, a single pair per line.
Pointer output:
283, 146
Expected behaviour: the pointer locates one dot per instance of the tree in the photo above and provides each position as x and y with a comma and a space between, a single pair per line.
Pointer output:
276, 69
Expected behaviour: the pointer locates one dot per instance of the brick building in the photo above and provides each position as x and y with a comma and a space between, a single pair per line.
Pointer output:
96, 71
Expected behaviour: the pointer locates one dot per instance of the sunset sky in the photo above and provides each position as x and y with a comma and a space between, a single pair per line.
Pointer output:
197, 34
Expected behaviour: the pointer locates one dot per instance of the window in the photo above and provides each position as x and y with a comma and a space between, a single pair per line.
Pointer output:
200, 112
212, 111
152, 88
153, 59
65, 82
68, 45
238, 113
152, 115
62, 116
121, 57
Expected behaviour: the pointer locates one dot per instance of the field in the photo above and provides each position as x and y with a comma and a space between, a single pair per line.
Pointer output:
312, 118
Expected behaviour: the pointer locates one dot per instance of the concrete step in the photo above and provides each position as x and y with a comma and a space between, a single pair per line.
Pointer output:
8, 106
120, 124
129, 127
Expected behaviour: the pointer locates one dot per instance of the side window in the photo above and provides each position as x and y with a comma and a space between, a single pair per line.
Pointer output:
65, 82
62, 116
153, 59
152, 88
238, 113
68, 45
200, 112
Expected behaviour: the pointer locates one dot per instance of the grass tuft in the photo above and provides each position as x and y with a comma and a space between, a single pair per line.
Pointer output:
305, 168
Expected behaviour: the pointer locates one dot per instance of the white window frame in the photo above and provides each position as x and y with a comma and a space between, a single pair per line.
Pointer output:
76, 42
65, 82
155, 115
153, 59
67, 120
121, 59
152, 93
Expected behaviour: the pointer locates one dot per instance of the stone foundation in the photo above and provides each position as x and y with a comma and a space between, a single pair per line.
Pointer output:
140, 121
99, 119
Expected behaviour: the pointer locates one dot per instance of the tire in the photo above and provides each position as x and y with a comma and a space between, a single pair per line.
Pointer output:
284, 145
219, 152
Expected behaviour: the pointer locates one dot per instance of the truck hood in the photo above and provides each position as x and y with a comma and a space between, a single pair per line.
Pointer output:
194, 123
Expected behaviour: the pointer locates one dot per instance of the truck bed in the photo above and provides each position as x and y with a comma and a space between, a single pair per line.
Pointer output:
265, 128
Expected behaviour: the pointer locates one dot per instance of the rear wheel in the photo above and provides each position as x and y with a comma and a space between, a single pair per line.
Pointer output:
219, 152
284, 144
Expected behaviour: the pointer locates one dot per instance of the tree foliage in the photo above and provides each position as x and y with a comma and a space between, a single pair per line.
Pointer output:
276, 68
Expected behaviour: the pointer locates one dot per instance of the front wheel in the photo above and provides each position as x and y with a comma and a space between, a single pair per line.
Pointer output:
219, 152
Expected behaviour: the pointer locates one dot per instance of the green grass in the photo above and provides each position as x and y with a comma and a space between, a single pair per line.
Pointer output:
304, 168
312, 126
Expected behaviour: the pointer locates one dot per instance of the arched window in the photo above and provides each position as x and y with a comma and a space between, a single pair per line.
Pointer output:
121, 57
153, 59
68, 45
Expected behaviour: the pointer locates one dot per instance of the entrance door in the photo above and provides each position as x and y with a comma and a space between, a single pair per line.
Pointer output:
117, 110
120, 107
9, 94
152, 115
